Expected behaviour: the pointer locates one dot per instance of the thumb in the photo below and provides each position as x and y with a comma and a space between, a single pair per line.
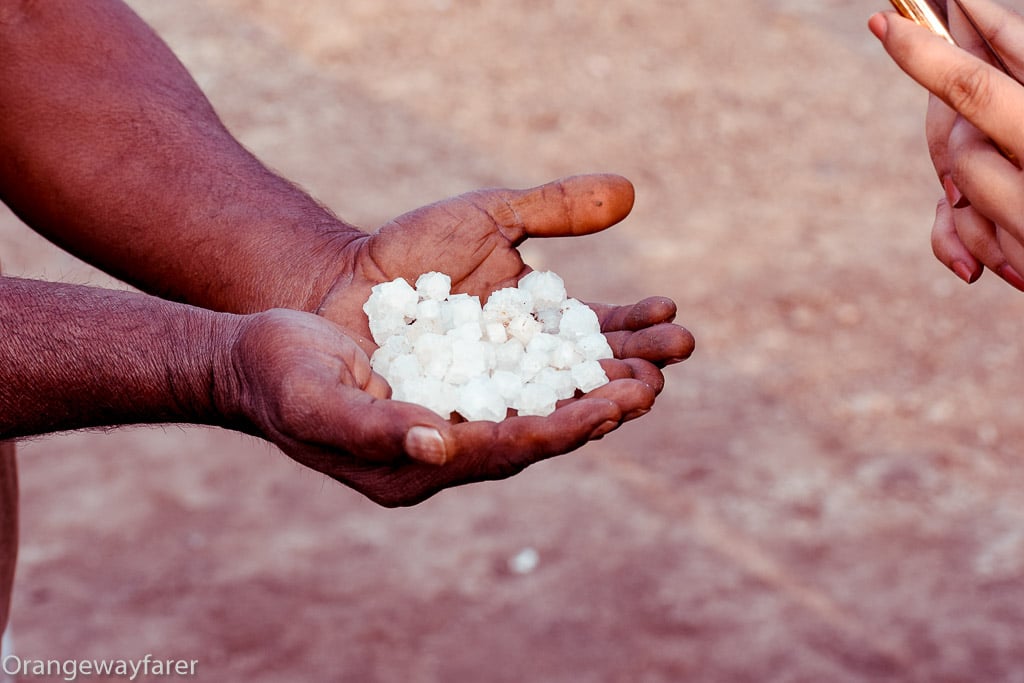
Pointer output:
380, 430
577, 205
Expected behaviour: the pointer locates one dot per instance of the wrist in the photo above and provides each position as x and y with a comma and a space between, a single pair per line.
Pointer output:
82, 357
305, 263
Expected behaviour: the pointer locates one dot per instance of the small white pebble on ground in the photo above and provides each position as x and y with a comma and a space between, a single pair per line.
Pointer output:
523, 350
524, 562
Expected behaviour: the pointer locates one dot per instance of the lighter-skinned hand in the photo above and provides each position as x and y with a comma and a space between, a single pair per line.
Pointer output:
973, 120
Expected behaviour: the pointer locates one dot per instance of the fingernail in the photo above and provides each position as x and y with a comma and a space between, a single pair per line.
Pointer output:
1008, 273
965, 272
634, 414
954, 196
878, 25
603, 429
426, 445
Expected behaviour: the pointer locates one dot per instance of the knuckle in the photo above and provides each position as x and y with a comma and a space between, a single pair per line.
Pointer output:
938, 244
938, 146
294, 404
982, 246
970, 90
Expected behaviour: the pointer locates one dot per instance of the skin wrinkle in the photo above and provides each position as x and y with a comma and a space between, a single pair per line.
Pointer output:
54, 359
996, 32
189, 212
567, 205
971, 89
517, 225
451, 239
13, 12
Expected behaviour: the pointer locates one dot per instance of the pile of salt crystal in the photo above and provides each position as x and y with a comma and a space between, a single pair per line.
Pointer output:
526, 348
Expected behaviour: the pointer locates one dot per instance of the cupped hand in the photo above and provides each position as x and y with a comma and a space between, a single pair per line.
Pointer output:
474, 239
973, 129
300, 382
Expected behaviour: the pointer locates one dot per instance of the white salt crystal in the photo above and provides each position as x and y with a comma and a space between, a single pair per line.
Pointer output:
508, 355
388, 351
594, 346
565, 355
391, 347
422, 326
543, 344
536, 399
431, 393
588, 375
381, 364
505, 304
578, 320
549, 319
560, 381
404, 367
429, 309
523, 327
495, 332
461, 309
396, 345
434, 353
469, 359
532, 363
383, 328
433, 286
526, 348
508, 385
390, 306
480, 400
467, 331
394, 298
546, 288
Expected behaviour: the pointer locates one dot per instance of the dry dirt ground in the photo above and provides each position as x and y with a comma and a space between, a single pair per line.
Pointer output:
831, 489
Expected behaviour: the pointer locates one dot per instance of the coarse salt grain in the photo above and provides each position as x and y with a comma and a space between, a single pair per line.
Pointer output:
524, 349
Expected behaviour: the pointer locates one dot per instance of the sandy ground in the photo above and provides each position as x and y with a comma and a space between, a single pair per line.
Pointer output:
829, 490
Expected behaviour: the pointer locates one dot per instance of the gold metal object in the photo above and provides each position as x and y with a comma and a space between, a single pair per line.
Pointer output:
932, 15
926, 13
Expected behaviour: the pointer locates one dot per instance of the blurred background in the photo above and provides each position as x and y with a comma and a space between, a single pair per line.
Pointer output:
831, 489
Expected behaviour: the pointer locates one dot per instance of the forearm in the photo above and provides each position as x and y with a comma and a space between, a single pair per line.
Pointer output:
75, 357
109, 149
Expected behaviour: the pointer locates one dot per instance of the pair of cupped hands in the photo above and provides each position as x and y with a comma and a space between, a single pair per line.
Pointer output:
305, 381
975, 132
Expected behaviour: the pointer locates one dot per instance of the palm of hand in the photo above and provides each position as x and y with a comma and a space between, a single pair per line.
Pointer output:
473, 239
459, 236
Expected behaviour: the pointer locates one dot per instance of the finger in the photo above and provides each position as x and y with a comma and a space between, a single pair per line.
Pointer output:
634, 368
376, 430
948, 248
500, 449
577, 205
993, 184
662, 344
642, 330
1000, 25
988, 98
938, 124
650, 311
978, 235
377, 387
634, 397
